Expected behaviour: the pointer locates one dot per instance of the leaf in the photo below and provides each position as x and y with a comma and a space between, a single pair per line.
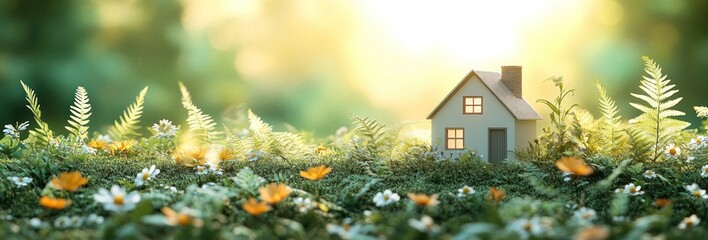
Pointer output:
127, 124
41, 135
80, 112
701, 111
199, 123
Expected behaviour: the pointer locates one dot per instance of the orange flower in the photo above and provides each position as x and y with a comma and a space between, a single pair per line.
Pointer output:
69, 181
254, 207
182, 219
315, 173
320, 149
54, 203
120, 146
97, 144
190, 155
574, 165
496, 194
274, 193
424, 200
662, 202
593, 233
226, 154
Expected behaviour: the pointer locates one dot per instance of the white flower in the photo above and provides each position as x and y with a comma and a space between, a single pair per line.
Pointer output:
117, 200
341, 131
346, 230
385, 198
425, 224
585, 215
689, 222
704, 171
649, 174
36, 223
88, 150
303, 205
62, 222
567, 176
254, 155
698, 142
164, 129
76, 221
209, 185
690, 158
94, 219
202, 170
465, 191
146, 175
215, 169
696, 191
525, 228
619, 218
20, 181
631, 189
14, 131
104, 138
672, 151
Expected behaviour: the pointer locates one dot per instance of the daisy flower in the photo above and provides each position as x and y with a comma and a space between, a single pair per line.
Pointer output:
146, 175
94, 219
215, 169
631, 189
698, 142
76, 221
117, 200
385, 198
164, 129
346, 230
672, 151
20, 181
202, 170
704, 171
62, 222
696, 191
303, 205
465, 191
525, 228
649, 174
36, 223
689, 222
254, 155
425, 224
585, 215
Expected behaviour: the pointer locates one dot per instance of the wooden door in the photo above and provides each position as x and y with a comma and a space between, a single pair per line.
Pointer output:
497, 144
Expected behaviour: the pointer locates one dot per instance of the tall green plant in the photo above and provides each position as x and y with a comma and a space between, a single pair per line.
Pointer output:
128, 124
199, 122
41, 135
610, 124
80, 112
655, 122
559, 114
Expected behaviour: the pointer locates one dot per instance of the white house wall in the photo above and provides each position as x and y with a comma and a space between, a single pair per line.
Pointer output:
525, 133
495, 115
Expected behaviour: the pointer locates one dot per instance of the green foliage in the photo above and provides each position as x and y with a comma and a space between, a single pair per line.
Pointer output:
247, 181
701, 111
655, 121
42, 135
375, 141
200, 123
285, 145
80, 112
127, 127
559, 114
612, 138
583, 131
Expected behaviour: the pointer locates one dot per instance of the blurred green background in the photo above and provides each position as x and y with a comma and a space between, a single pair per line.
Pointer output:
311, 63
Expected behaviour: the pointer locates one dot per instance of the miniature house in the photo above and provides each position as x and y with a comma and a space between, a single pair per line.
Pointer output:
485, 113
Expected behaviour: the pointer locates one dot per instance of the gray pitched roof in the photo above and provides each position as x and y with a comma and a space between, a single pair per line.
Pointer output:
518, 107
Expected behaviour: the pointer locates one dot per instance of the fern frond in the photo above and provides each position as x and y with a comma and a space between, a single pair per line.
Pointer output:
702, 112
41, 135
127, 126
374, 136
610, 124
199, 123
80, 112
655, 121
291, 146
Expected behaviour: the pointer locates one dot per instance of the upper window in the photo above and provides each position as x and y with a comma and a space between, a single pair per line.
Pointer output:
455, 138
472, 105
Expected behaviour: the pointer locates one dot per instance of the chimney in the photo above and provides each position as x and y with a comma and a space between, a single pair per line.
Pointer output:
511, 77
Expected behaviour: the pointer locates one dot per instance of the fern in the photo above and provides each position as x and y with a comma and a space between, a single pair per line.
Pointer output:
247, 181
583, 130
375, 138
655, 120
641, 145
42, 135
129, 120
199, 123
702, 112
285, 145
610, 123
261, 133
80, 112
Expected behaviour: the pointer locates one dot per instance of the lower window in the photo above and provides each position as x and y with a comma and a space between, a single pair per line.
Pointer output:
455, 138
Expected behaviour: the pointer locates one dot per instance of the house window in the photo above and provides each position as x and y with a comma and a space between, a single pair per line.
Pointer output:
455, 138
472, 105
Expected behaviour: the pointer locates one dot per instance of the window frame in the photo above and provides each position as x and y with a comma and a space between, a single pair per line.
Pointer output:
465, 105
456, 138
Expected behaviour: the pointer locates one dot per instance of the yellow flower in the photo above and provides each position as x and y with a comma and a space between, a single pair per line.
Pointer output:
316, 173
190, 155
320, 149
182, 219
98, 144
254, 207
54, 203
120, 146
226, 154
69, 181
496, 194
274, 193
574, 165
424, 200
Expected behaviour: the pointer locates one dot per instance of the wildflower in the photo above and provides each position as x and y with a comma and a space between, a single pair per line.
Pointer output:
69, 181
164, 129
631, 189
496, 194
696, 191
98, 144
20, 181
185, 217
94, 219
76, 221
341, 131
117, 200
316, 173
704, 171
88, 150
202, 170
54, 203
225, 154
525, 228
574, 165
566, 176
698, 142
303, 205
146, 175
689, 222
14, 131
662, 202
254, 155
255, 208
346, 230
190, 155
215, 169
120, 146
465, 191
36, 223
320, 149
593, 233
274, 193
62, 222
672, 151
385, 198
649, 174
585, 215
425, 224
104, 138
424, 200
